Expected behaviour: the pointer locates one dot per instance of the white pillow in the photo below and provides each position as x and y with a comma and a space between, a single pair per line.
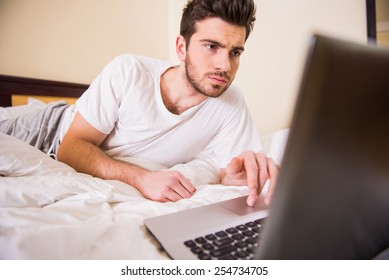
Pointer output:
274, 144
15, 111
21, 159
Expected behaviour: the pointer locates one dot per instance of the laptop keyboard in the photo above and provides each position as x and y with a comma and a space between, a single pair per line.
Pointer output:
233, 243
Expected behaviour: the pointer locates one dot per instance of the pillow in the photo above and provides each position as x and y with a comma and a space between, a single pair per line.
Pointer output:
15, 111
18, 158
274, 144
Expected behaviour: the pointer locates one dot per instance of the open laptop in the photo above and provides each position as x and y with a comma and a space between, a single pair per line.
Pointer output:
332, 196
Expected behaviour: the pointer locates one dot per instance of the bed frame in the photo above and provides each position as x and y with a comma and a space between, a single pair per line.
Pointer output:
11, 86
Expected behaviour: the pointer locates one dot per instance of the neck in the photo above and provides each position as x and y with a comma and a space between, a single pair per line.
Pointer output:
177, 95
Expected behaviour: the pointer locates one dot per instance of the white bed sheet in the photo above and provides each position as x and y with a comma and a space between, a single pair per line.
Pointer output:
49, 211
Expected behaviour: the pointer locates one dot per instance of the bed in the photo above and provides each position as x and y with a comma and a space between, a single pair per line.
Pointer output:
50, 211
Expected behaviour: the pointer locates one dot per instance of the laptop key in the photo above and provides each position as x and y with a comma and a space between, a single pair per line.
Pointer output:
248, 233
259, 221
232, 230
251, 224
223, 251
257, 229
237, 236
223, 241
196, 250
242, 254
201, 240
208, 246
241, 244
226, 257
221, 234
251, 240
224, 244
211, 237
204, 256
190, 243
241, 227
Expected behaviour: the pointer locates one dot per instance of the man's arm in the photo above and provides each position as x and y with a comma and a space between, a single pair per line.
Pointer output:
80, 149
252, 170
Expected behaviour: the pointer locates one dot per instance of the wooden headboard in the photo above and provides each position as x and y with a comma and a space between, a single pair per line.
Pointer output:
11, 87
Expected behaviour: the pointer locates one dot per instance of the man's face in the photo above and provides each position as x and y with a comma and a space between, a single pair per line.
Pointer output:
212, 58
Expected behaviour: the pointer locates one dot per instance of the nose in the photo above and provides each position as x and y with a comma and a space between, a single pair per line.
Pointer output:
222, 62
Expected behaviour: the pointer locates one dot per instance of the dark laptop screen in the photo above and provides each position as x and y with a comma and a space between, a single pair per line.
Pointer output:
332, 195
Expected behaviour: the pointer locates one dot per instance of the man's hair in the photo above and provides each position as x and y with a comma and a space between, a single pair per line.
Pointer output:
238, 12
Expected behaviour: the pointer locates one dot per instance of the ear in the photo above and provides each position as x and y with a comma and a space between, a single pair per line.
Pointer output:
181, 48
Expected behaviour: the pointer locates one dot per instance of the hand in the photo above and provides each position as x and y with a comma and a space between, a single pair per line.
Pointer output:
251, 169
81, 143
164, 186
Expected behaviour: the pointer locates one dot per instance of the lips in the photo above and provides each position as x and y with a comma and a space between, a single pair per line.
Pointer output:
218, 79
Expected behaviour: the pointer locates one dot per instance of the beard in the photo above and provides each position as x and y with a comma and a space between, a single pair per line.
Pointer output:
200, 83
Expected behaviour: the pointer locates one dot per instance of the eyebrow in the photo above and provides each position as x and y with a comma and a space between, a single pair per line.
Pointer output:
240, 48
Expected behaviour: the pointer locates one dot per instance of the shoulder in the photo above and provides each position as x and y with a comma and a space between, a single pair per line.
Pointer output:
136, 62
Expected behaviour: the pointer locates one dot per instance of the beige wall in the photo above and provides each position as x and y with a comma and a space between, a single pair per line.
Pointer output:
382, 9
276, 51
71, 40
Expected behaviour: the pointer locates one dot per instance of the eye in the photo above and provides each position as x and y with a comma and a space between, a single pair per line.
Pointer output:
236, 53
211, 47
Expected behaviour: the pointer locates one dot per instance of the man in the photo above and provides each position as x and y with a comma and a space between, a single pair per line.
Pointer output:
187, 115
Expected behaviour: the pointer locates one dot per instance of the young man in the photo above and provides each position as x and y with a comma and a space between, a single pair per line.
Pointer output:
189, 115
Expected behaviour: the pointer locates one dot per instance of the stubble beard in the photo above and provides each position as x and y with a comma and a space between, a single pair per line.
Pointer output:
198, 83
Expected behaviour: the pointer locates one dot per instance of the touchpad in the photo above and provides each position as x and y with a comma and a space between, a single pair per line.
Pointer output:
239, 206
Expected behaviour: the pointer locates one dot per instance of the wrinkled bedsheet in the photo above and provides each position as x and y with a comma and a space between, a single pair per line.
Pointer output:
50, 211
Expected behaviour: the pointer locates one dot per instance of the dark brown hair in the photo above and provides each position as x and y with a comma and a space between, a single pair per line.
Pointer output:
239, 12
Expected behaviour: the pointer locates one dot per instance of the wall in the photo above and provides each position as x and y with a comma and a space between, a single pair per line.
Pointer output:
71, 40
382, 13
276, 51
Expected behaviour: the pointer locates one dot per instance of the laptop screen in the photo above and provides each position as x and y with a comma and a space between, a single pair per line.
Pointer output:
332, 194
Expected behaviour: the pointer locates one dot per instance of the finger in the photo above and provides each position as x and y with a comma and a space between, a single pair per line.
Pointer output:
251, 166
172, 196
159, 199
252, 197
262, 162
167, 194
273, 172
187, 184
182, 191
183, 186
235, 166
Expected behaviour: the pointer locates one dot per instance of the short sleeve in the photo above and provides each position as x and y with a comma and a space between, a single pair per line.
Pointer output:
100, 104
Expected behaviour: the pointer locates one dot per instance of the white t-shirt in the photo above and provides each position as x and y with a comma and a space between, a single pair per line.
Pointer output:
125, 103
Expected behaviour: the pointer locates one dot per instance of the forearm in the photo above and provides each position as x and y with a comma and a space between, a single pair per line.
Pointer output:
85, 157
80, 149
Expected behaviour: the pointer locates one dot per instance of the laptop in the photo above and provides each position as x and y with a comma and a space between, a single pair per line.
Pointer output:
332, 195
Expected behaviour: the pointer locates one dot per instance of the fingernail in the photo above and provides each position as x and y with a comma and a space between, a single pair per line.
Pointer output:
250, 201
